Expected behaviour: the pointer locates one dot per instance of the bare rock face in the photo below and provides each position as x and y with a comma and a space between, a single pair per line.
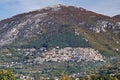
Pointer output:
103, 26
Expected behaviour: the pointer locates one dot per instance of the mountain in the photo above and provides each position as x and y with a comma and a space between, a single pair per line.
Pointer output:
61, 34
117, 17
40, 27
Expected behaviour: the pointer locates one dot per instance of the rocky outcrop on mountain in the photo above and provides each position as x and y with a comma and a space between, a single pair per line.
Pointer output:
103, 26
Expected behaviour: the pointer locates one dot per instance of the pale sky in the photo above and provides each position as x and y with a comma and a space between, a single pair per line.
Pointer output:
9, 8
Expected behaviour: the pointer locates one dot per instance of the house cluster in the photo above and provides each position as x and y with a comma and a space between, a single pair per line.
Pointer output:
70, 54
23, 77
38, 56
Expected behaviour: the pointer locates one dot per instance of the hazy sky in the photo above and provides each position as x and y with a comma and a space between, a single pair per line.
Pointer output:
10, 8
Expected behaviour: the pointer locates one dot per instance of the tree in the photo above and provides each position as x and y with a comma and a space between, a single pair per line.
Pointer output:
6, 75
65, 77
